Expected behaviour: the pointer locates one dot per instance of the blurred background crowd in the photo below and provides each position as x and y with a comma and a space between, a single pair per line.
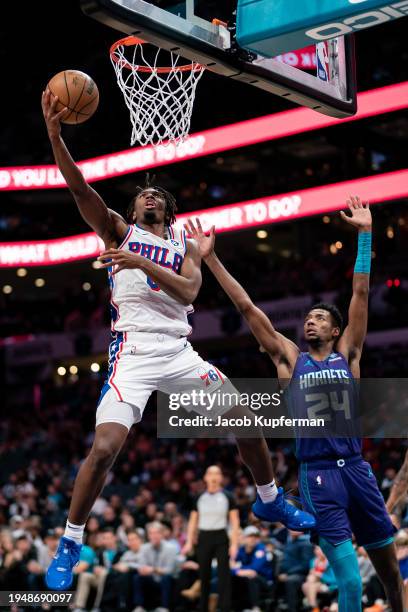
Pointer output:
147, 499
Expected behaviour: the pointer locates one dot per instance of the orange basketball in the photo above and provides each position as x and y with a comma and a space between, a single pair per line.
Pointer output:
76, 91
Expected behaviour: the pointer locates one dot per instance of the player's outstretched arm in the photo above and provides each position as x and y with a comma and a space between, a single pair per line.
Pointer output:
399, 488
275, 344
352, 340
183, 287
107, 224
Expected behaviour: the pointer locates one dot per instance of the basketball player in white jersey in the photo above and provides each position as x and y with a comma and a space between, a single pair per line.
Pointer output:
154, 274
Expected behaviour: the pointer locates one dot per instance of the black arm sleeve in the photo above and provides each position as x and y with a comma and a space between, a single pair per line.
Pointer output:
232, 504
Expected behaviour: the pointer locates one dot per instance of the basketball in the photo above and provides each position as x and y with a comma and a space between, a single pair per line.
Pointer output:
78, 92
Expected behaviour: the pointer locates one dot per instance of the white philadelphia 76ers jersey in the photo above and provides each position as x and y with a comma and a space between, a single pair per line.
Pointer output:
137, 302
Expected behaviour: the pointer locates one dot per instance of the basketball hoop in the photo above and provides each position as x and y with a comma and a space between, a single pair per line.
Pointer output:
160, 99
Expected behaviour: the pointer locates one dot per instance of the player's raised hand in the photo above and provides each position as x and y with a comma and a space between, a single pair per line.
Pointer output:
360, 213
205, 243
51, 116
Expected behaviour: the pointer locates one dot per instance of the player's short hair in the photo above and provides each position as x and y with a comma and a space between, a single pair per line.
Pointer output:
170, 200
333, 310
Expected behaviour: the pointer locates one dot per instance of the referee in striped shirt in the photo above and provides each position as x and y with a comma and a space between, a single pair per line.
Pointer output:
214, 512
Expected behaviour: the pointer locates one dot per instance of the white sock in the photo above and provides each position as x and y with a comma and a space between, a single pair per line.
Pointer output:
267, 492
74, 532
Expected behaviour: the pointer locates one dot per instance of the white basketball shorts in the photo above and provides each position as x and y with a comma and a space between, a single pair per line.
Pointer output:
142, 362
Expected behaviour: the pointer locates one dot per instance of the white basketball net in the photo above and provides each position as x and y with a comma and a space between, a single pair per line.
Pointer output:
160, 100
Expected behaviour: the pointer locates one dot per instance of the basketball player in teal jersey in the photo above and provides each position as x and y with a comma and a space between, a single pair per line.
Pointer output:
336, 484
154, 274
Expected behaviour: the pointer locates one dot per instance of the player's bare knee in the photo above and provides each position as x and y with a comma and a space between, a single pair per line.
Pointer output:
101, 457
103, 453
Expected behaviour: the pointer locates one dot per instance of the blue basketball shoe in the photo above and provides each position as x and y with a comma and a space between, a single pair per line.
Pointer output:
59, 575
280, 511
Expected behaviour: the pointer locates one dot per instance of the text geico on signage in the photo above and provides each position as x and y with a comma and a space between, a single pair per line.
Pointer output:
359, 22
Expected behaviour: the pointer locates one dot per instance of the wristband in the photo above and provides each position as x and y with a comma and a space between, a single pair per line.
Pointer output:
363, 261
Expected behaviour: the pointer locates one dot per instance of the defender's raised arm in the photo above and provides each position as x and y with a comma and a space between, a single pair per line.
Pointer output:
352, 340
109, 225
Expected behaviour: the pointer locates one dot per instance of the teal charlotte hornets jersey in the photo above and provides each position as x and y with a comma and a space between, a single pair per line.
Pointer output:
324, 390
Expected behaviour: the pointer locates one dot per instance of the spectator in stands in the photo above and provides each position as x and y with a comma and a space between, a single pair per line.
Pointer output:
99, 506
106, 557
252, 571
158, 564
16, 521
118, 586
127, 523
109, 518
319, 580
33, 527
151, 513
179, 528
130, 559
6, 548
93, 525
297, 555
20, 564
388, 481
170, 510
168, 535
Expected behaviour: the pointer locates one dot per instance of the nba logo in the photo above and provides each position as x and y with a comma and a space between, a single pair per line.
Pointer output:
322, 61
207, 377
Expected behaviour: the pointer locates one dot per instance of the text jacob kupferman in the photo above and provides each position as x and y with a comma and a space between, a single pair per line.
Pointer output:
256, 421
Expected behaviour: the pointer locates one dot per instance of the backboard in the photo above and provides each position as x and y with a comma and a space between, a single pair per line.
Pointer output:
204, 31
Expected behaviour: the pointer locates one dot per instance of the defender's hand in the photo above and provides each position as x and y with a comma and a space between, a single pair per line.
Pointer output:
119, 260
51, 116
360, 214
205, 243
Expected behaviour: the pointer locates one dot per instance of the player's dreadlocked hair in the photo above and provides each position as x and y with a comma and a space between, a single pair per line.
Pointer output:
170, 200
334, 311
